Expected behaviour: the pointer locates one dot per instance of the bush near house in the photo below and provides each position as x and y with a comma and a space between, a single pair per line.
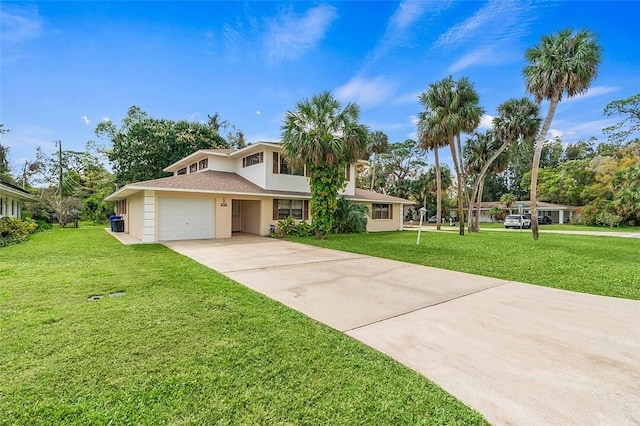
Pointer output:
13, 231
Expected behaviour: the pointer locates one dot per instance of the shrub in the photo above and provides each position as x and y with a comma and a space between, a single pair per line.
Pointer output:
290, 227
350, 218
13, 231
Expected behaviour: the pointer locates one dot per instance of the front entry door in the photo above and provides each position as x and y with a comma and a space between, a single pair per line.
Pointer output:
236, 218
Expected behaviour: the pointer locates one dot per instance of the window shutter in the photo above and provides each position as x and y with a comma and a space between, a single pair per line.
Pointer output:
306, 171
276, 162
347, 173
261, 157
305, 214
244, 162
275, 209
390, 211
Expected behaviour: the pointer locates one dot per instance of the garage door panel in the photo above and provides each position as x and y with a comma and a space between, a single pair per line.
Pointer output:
185, 218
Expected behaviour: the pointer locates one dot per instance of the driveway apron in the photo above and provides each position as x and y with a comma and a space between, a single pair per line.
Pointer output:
519, 354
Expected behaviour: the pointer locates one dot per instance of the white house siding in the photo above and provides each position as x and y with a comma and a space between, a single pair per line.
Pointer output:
149, 217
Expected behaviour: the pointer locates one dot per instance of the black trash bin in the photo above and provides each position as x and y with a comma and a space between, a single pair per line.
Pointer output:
115, 220
118, 225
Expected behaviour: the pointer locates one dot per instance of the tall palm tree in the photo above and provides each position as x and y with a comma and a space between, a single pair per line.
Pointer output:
480, 158
324, 137
508, 200
562, 64
452, 107
377, 143
430, 139
517, 119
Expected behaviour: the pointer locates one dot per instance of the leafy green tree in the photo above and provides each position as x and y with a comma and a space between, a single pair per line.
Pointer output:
402, 163
627, 199
628, 108
562, 64
325, 138
5, 169
142, 146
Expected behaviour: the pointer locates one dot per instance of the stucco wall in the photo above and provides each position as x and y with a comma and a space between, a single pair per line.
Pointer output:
135, 215
380, 225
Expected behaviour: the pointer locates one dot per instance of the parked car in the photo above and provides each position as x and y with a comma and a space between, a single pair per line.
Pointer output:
517, 221
544, 220
434, 219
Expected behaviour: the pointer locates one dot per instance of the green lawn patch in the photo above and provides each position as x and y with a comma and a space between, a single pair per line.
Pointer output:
182, 345
600, 265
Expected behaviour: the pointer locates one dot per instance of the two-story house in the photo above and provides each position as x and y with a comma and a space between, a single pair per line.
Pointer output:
12, 198
216, 192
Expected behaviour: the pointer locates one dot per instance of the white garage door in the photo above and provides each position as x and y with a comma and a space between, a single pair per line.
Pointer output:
185, 218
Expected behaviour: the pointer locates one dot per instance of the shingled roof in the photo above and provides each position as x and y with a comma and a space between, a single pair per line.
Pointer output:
230, 183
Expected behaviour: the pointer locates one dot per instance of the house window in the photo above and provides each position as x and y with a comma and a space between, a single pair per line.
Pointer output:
193, 168
203, 164
297, 209
250, 160
182, 171
280, 166
382, 211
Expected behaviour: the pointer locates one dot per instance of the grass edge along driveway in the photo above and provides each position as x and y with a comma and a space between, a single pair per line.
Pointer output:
184, 344
606, 266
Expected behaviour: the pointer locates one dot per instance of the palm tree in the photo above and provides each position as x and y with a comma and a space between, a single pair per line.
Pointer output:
517, 119
562, 64
325, 138
508, 200
452, 109
377, 143
482, 155
431, 140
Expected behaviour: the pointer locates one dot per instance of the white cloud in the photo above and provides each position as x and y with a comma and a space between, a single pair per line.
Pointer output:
407, 98
593, 92
85, 119
486, 121
19, 24
490, 36
400, 25
414, 119
365, 92
290, 36
258, 112
106, 119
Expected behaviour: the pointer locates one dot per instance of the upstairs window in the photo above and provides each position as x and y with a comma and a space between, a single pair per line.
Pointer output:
193, 168
182, 171
382, 211
250, 160
280, 166
203, 164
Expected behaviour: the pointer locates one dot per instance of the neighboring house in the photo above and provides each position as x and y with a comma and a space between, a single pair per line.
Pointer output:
12, 198
557, 212
215, 192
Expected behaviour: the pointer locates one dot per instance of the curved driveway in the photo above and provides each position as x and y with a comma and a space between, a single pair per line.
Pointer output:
519, 354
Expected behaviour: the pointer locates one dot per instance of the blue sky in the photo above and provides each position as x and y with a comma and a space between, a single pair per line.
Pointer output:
65, 66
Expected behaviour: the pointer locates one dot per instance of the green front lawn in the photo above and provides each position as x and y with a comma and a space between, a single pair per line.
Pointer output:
183, 345
600, 265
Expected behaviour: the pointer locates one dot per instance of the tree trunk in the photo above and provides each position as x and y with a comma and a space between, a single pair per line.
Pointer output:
373, 172
479, 183
476, 226
454, 157
438, 190
536, 164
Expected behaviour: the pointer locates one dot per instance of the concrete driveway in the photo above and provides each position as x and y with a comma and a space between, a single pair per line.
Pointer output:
517, 353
